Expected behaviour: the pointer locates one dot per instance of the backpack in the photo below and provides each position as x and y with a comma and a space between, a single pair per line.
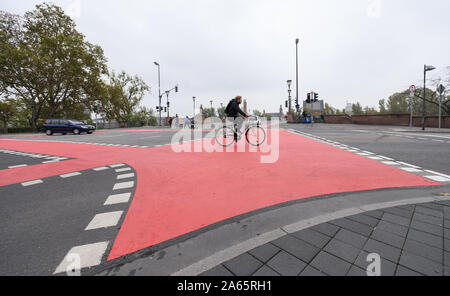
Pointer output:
228, 108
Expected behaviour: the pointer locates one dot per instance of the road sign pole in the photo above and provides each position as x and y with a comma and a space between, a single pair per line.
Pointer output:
412, 91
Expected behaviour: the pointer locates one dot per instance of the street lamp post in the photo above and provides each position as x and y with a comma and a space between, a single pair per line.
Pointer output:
159, 95
296, 86
193, 98
425, 70
211, 104
289, 82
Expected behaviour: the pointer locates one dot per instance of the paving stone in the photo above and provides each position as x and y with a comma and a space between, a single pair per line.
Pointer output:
447, 259
330, 265
433, 206
426, 238
447, 233
243, 265
399, 212
265, 252
447, 245
375, 214
396, 219
446, 271
311, 271
392, 228
351, 238
423, 250
286, 264
326, 228
387, 267
403, 271
409, 208
425, 227
370, 221
265, 271
388, 238
353, 226
219, 270
342, 250
428, 219
356, 271
420, 264
430, 212
447, 223
312, 237
296, 247
384, 250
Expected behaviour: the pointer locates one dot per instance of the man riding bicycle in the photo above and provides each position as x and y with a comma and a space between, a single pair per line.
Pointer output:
233, 111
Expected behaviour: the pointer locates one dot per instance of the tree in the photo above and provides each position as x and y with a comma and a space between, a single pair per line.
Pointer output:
221, 112
45, 61
370, 110
382, 106
357, 109
328, 110
123, 94
257, 113
209, 112
7, 111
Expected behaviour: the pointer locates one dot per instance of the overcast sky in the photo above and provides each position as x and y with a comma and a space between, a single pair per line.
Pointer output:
350, 50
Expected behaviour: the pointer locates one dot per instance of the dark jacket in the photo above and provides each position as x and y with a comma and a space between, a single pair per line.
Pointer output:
234, 109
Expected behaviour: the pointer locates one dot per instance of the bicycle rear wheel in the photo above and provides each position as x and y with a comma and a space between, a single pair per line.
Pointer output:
255, 136
225, 136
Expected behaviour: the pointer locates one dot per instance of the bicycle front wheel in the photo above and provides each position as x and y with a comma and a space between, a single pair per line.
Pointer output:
225, 136
255, 136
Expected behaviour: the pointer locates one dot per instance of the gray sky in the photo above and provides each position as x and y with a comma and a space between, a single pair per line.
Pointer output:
350, 50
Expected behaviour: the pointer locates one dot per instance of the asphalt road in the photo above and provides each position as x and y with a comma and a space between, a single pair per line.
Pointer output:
43, 221
427, 150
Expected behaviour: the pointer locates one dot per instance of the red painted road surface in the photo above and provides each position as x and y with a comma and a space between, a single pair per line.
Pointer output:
178, 193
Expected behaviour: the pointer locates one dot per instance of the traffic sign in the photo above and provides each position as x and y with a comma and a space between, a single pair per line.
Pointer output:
441, 89
412, 90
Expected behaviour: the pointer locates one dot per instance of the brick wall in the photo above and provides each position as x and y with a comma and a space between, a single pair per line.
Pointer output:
338, 119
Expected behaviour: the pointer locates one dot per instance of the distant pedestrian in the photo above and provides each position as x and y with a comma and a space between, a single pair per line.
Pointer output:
187, 122
170, 121
177, 122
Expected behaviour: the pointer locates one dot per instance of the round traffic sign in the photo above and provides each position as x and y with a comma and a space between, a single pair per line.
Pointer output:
412, 89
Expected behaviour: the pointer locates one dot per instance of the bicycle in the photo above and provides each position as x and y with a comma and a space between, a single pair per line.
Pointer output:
254, 135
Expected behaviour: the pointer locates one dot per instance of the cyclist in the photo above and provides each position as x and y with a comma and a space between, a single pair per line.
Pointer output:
233, 111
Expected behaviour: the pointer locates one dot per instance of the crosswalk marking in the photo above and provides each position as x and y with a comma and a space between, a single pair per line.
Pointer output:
89, 255
104, 220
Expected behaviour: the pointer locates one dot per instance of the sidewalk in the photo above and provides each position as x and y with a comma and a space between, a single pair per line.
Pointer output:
412, 240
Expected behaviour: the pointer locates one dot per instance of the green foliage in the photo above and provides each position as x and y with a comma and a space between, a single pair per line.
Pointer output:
257, 113
8, 109
209, 112
357, 109
221, 112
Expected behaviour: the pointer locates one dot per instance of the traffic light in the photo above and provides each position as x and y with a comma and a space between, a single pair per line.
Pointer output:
157, 108
165, 109
316, 96
287, 105
96, 109
308, 100
176, 88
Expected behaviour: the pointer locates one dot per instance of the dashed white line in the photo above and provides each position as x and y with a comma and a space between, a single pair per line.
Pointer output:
89, 255
125, 176
117, 165
17, 166
104, 220
30, 183
124, 185
411, 170
101, 169
438, 178
123, 170
118, 199
70, 175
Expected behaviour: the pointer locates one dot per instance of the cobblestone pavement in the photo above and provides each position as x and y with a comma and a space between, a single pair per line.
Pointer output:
412, 240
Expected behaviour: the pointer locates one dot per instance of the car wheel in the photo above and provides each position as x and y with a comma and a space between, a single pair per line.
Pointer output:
49, 132
76, 131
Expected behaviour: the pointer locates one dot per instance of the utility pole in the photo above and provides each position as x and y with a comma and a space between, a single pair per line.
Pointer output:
159, 95
296, 58
193, 98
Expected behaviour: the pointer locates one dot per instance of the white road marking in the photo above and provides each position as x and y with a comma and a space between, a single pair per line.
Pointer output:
410, 165
17, 166
125, 176
124, 185
438, 178
70, 175
118, 199
411, 170
90, 255
375, 158
101, 169
123, 170
30, 183
436, 173
104, 220
393, 163
117, 165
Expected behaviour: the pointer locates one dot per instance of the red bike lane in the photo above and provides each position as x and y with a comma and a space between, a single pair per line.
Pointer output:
178, 193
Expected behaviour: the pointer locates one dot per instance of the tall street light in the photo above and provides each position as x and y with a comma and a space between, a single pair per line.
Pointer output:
159, 95
193, 98
211, 103
425, 70
296, 58
289, 82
